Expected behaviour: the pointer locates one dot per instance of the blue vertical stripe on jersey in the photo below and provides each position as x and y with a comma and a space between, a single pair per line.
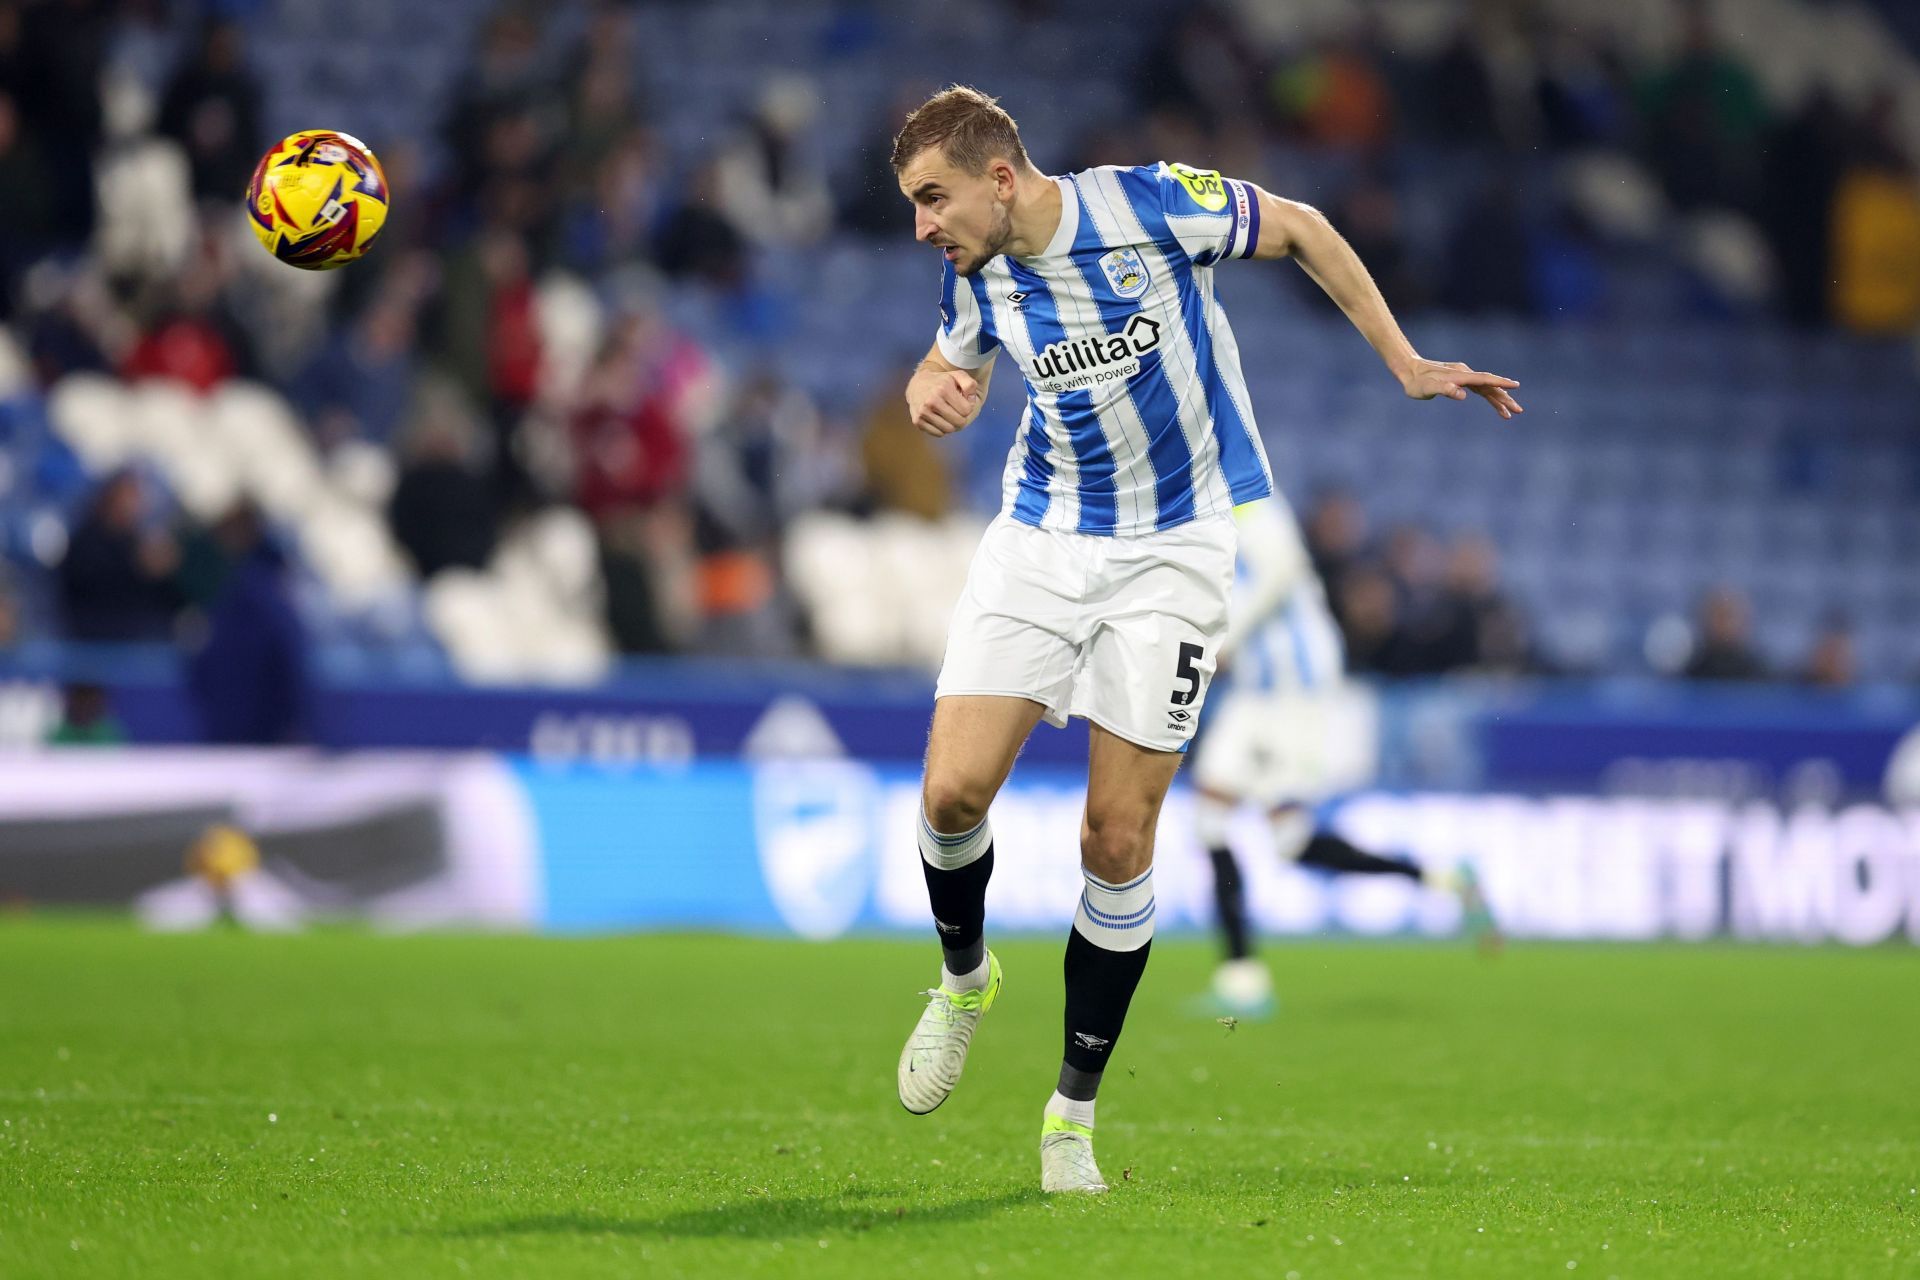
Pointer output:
1253, 219
1151, 391
1254, 665
1036, 479
1239, 456
1302, 664
988, 338
1099, 493
949, 305
1036, 476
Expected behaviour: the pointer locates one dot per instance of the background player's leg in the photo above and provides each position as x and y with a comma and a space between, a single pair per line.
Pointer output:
1214, 811
1330, 852
970, 751
1241, 985
1107, 947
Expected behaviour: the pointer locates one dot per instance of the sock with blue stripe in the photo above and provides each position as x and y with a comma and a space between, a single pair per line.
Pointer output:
957, 868
1106, 954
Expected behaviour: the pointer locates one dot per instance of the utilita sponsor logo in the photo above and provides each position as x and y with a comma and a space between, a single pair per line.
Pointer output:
1074, 364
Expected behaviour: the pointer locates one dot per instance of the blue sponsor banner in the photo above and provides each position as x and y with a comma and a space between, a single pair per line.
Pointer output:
650, 848
814, 848
819, 849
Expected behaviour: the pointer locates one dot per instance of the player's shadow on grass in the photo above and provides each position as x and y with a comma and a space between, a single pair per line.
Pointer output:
762, 1217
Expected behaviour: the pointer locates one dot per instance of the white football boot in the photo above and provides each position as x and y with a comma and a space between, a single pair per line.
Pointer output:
936, 1052
1066, 1157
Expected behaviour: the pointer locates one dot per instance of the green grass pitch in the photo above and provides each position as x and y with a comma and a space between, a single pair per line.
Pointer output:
344, 1104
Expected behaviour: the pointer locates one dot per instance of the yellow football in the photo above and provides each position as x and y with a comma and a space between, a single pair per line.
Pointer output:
317, 199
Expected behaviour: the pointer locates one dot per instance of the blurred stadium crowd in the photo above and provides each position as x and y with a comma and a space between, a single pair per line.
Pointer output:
623, 375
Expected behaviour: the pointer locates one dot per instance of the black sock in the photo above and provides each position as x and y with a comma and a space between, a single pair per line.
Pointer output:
1230, 901
1331, 853
959, 899
1100, 985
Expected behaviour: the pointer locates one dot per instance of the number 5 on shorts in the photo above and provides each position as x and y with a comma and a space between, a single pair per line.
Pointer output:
1190, 653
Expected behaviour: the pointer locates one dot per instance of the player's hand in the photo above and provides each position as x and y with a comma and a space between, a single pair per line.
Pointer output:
941, 401
1430, 378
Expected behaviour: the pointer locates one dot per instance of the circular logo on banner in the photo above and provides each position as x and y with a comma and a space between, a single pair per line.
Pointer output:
813, 822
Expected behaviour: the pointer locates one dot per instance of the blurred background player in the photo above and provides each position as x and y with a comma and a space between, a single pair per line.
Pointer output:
1286, 732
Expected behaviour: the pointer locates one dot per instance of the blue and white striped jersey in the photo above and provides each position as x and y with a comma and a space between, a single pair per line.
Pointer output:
1137, 412
1281, 634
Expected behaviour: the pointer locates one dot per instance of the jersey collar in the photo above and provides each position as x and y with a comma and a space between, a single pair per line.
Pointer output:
1069, 222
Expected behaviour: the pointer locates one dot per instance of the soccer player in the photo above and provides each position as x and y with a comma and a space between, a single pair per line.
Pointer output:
1101, 589
1284, 738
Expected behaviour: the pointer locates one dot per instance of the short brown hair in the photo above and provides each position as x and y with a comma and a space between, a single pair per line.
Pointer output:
967, 125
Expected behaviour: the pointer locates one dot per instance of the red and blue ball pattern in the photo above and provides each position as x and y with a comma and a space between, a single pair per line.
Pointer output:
317, 199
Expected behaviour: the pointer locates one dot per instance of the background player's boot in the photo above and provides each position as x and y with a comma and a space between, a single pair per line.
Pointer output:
1243, 988
936, 1052
1066, 1157
1476, 917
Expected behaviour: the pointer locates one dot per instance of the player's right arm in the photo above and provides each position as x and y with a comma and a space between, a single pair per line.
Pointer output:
945, 393
942, 397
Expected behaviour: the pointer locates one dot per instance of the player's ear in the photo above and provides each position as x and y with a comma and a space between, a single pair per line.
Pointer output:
1004, 178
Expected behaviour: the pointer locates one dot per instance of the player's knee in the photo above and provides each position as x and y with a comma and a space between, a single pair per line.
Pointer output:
955, 804
1117, 846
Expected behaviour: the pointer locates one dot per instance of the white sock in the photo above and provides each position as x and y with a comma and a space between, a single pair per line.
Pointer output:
1118, 917
975, 981
1070, 1109
952, 852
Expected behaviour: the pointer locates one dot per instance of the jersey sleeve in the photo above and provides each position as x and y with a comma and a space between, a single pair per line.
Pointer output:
1211, 217
966, 338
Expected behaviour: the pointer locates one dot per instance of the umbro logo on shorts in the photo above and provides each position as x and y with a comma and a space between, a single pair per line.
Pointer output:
1091, 1042
944, 927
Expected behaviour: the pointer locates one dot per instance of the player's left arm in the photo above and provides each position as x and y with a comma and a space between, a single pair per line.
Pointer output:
1289, 229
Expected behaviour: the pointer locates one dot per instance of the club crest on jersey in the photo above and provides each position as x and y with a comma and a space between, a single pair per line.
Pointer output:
1126, 272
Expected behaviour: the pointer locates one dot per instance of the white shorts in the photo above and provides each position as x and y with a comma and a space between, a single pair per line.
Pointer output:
1119, 631
1292, 746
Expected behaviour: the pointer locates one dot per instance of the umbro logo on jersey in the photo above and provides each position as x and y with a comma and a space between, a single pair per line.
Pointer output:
1019, 299
1091, 1042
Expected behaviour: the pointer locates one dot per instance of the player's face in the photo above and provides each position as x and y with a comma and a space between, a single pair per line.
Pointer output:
967, 217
